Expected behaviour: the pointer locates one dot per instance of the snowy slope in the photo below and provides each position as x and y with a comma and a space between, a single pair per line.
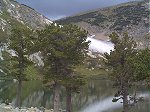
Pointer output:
99, 45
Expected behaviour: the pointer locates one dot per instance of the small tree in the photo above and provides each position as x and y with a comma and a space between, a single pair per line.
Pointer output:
121, 71
62, 48
18, 47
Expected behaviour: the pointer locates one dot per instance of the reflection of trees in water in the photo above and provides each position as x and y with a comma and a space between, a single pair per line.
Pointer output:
29, 88
139, 107
95, 90
33, 99
33, 94
47, 98
142, 106
7, 91
43, 98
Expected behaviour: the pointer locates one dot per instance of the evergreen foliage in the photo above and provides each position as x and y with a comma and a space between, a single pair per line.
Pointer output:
141, 65
18, 48
127, 66
62, 48
119, 62
16, 57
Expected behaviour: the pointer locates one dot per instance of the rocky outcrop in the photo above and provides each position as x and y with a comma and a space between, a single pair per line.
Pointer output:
12, 12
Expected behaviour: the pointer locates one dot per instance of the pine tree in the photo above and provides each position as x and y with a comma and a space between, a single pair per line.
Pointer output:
16, 57
127, 65
62, 48
120, 66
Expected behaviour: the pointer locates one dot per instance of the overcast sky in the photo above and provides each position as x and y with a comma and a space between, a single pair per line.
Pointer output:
55, 9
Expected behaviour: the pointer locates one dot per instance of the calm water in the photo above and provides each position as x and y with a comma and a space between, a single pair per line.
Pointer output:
95, 96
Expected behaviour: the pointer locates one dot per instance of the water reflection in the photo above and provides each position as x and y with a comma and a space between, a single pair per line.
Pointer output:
102, 106
95, 96
107, 105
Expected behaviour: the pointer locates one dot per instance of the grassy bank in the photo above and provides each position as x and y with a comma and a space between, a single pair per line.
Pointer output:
90, 73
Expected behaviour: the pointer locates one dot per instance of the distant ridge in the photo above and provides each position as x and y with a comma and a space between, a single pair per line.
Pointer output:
12, 14
131, 17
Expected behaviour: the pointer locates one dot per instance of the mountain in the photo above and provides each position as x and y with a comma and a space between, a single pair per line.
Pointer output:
131, 17
12, 14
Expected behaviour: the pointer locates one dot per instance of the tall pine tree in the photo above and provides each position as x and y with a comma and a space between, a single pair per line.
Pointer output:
18, 51
62, 48
120, 66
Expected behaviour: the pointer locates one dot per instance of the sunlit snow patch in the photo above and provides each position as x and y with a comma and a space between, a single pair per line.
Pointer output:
99, 45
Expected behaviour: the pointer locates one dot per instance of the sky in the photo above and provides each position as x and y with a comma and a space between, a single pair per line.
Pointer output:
56, 9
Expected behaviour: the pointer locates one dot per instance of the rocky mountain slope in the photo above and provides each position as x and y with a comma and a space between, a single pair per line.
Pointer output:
131, 17
12, 13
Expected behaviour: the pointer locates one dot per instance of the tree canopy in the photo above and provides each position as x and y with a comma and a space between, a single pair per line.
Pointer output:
62, 48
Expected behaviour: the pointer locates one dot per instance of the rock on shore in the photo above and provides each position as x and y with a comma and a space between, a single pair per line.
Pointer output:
9, 108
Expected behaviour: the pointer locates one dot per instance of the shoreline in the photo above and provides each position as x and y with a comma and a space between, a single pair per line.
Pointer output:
10, 108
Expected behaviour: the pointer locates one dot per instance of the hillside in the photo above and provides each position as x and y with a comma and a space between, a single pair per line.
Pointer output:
131, 17
12, 14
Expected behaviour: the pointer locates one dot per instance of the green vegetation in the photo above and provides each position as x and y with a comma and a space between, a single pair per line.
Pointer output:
64, 53
127, 65
9, 23
93, 18
32, 73
130, 14
89, 73
16, 63
121, 16
3, 36
5, 15
141, 64
62, 49
78, 18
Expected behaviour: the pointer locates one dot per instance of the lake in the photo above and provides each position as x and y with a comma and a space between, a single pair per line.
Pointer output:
95, 96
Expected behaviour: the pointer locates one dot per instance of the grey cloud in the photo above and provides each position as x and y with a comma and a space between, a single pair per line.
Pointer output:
55, 9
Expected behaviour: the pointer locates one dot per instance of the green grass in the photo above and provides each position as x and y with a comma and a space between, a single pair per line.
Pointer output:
82, 70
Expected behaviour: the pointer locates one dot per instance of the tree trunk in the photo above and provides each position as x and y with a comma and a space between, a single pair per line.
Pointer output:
18, 97
125, 100
68, 99
56, 97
